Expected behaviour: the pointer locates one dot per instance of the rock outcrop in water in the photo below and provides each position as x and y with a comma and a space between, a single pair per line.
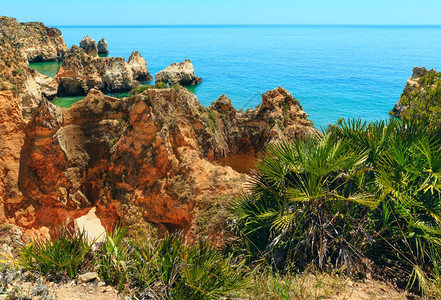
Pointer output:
34, 41
139, 67
178, 73
88, 44
102, 47
81, 72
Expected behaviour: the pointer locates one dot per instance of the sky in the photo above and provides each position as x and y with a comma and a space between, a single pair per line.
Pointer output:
195, 12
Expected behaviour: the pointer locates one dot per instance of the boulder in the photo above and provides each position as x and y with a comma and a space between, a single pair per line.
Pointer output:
139, 67
178, 73
223, 105
87, 277
102, 47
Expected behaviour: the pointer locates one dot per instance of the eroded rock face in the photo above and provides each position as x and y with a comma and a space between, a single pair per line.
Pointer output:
27, 86
102, 47
150, 156
81, 72
21, 43
246, 134
178, 73
34, 40
12, 138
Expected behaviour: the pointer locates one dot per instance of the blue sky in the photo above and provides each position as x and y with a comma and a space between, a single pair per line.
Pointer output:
147, 12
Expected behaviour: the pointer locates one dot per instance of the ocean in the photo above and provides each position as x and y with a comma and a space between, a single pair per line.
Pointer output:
335, 71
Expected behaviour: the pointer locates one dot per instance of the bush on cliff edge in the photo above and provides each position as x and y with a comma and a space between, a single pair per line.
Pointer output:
359, 195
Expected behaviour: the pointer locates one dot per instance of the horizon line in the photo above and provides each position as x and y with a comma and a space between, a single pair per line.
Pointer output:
238, 25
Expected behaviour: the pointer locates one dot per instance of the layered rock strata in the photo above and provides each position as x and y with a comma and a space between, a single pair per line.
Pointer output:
178, 73
81, 72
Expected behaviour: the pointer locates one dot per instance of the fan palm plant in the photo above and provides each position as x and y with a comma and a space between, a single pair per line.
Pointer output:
361, 190
408, 177
307, 204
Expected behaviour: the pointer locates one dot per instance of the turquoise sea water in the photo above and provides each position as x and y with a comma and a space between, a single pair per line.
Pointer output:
67, 102
47, 68
335, 71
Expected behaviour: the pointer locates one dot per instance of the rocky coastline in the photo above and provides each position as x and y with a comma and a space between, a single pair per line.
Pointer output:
59, 163
161, 149
156, 158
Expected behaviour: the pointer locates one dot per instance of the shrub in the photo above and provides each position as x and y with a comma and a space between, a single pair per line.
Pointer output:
197, 271
359, 192
62, 256
207, 274
168, 266
139, 90
423, 103
112, 258
306, 205
177, 86
212, 120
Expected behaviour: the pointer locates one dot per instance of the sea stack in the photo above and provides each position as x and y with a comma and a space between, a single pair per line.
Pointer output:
139, 67
178, 73
89, 45
102, 47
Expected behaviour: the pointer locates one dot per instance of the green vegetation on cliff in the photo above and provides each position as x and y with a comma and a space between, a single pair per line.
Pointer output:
422, 101
139, 90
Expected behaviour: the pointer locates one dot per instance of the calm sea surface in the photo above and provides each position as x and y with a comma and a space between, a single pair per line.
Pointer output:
335, 71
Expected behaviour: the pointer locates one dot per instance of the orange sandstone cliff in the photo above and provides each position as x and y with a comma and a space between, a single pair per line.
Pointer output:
158, 157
